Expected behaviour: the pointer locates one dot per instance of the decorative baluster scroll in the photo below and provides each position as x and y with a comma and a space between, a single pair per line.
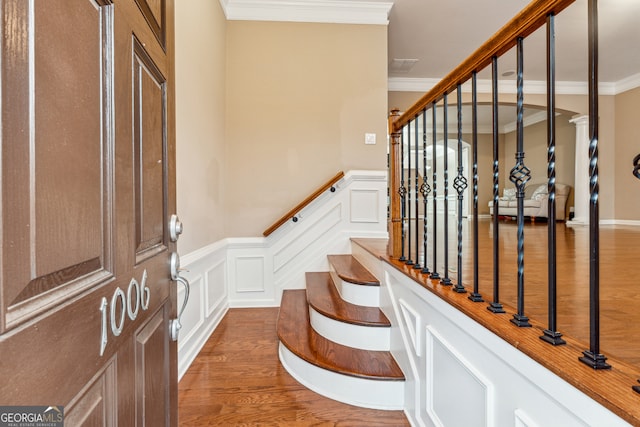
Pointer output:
520, 175
460, 184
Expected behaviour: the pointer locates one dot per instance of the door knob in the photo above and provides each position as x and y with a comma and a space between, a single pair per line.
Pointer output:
175, 228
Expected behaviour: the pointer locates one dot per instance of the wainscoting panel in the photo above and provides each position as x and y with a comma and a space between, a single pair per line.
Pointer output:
249, 274
467, 376
206, 271
364, 205
450, 380
216, 289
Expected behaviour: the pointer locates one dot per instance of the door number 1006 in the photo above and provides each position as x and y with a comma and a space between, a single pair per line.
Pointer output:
137, 297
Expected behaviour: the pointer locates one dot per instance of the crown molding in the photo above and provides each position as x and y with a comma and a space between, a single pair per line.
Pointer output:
320, 11
405, 84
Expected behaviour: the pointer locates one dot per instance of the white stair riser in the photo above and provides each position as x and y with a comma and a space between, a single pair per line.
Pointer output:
368, 296
356, 336
362, 392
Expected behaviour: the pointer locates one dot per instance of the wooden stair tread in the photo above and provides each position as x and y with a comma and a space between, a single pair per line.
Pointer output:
296, 333
349, 269
323, 296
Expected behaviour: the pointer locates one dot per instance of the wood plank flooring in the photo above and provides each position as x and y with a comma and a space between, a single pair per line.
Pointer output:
237, 380
619, 283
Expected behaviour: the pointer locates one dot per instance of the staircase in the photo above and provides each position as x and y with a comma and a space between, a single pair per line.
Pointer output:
335, 340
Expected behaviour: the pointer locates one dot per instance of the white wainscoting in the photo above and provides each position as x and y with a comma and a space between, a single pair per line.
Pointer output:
460, 374
206, 270
357, 208
253, 272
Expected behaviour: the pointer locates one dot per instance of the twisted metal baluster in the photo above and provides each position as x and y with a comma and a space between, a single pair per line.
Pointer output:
460, 184
446, 280
520, 175
402, 191
475, 295
495, 306
551, 335
409, 261
417, 265
434, 164
593, 357
424, 189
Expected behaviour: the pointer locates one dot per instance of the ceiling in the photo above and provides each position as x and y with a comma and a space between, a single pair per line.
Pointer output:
441, 34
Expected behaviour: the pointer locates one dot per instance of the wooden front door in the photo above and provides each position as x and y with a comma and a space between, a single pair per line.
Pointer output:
87, 193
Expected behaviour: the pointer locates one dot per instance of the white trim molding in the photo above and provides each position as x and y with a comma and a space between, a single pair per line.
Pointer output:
320, 11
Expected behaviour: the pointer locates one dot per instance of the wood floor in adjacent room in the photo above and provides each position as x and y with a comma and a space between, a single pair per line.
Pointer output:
237, 380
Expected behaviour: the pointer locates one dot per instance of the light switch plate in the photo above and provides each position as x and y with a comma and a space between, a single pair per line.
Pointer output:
370, 138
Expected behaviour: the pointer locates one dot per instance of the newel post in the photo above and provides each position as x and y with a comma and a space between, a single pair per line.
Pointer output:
395, 173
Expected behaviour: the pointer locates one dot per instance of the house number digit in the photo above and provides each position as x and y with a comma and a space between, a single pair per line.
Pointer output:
136, 297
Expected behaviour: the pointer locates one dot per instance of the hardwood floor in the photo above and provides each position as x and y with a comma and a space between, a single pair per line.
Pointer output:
619, 285
237, 380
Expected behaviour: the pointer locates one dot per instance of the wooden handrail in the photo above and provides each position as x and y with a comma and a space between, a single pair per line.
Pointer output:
532, 17
291, 214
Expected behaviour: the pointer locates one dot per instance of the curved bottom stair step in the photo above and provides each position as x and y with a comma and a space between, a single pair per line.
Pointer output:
364, 378
352, 325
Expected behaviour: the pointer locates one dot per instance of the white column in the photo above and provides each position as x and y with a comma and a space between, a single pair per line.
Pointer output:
581, 184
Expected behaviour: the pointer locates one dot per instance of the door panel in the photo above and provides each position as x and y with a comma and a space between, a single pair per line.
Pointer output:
71, 109
87, 157
95, 405
152, 371
149, 124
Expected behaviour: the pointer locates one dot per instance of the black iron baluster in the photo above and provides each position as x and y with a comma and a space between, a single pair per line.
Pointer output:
520, 175
460, 184
592, 357
424, 189
446, 280
495, 305
434, 163
409, 261
475, 295
551, 335
402, 191
636, 173
417, 265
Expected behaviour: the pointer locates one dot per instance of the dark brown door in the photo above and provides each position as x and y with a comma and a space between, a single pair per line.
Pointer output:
87, 192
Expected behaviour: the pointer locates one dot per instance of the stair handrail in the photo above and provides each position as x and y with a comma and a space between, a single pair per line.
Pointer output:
532, 17
292, 214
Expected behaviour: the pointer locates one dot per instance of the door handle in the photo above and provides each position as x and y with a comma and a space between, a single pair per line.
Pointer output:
175, 228
174, 324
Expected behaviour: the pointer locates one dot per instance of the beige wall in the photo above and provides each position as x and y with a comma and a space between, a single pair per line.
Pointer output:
200, 111
300, 98
627, 105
